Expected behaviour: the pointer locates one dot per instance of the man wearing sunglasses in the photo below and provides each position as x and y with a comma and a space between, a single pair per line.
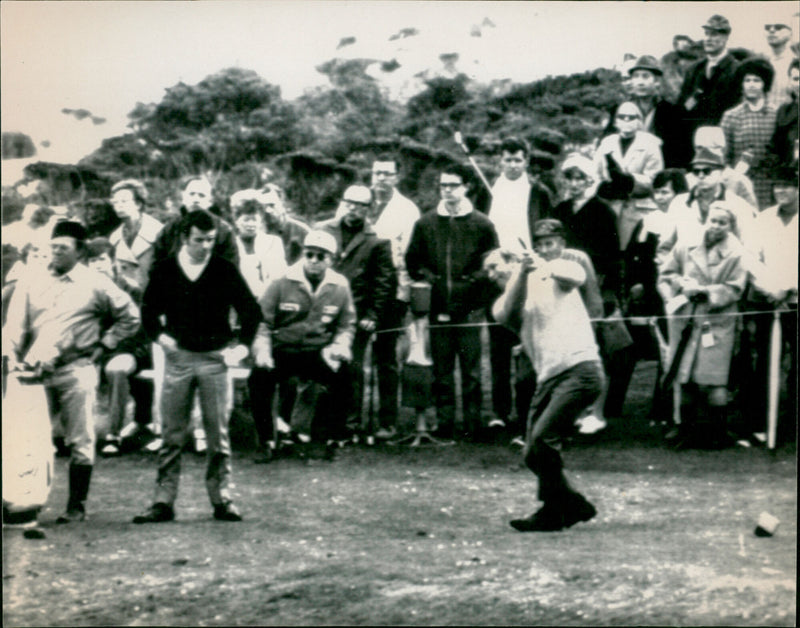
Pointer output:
366, 262
309, 322
688, 212
780, 55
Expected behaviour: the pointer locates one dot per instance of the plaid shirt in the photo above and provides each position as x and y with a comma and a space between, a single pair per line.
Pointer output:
750, 130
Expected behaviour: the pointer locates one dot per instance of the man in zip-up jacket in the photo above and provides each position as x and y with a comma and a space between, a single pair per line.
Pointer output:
447, 249
366, 262
308, 328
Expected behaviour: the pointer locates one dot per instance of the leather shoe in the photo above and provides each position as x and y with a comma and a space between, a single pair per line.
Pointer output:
72, 515
227, 512
546, 519
578, 509
157, 513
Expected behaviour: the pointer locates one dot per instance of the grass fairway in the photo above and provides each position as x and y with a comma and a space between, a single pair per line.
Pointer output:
397, 536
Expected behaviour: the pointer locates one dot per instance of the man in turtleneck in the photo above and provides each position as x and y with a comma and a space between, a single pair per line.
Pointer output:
366, 262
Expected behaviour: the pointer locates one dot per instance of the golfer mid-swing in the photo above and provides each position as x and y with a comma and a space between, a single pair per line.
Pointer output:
542, 304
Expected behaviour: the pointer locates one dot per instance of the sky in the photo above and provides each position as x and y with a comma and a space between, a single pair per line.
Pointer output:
106, 56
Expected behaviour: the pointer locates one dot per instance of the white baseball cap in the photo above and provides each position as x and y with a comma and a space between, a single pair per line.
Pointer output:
318, 239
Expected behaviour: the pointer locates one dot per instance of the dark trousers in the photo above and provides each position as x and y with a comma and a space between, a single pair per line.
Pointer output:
621, 364
387, 369
558, 402
524, 390
501, 341
321, 398
446, 344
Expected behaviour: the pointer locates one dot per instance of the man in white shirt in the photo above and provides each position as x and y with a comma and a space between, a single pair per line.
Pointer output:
392, 216
517, 203
542, 303
775, 279
780, 55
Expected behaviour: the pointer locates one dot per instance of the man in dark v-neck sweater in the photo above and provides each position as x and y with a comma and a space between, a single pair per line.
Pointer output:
186, 309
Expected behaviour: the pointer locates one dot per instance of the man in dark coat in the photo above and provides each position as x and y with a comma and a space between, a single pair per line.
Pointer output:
659, 117
196, 194
366, 261
447, 249
710, 86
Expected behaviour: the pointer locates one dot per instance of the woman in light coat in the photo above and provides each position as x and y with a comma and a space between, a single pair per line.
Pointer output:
707, 279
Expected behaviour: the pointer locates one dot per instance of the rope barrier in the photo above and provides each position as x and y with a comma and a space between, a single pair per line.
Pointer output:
642, 320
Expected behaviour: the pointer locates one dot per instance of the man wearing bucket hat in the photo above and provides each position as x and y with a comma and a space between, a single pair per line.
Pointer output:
59, 326
659, 117
710, 87
307, 332
541, 303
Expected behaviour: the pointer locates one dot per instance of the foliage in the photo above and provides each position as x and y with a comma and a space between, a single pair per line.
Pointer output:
233, 125
17, 146
227, 118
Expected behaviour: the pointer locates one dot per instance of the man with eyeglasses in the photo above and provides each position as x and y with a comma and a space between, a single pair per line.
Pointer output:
710, 87
447, 249
688, 212
392, 216
780, 55
307, 332
365, 260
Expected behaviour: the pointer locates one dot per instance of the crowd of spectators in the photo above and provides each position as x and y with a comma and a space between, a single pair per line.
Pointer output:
682, 226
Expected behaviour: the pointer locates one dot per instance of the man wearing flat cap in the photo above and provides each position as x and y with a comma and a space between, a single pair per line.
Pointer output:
710, 87
307, 332
659, 117
58, 326
749, 126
